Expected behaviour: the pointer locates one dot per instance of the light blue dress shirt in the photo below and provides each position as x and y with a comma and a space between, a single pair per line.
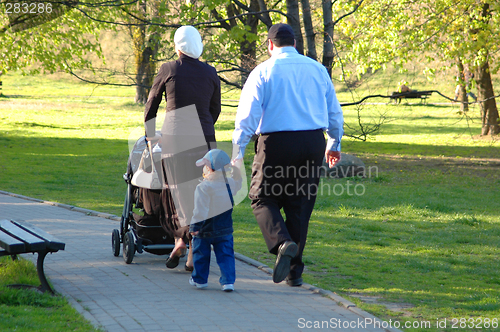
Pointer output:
288, 92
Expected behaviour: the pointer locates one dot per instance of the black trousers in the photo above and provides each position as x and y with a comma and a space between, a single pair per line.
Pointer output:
285, 175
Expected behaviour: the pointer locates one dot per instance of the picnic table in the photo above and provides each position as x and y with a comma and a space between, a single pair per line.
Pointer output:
412, 94
21, 238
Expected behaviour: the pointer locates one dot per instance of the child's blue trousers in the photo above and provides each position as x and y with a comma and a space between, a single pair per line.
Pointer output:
224, 253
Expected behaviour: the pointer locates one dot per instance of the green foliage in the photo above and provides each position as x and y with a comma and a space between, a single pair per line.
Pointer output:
71, 42
223, 45
53, 46
399, 32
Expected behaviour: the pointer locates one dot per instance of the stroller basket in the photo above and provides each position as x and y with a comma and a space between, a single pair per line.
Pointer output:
151, 236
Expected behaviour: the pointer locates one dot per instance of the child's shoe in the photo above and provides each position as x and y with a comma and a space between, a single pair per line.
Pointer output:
228, 287
193, 283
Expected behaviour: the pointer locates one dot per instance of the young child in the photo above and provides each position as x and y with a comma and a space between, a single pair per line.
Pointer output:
212, 223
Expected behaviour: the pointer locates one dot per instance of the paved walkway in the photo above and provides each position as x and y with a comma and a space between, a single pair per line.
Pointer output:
146, 296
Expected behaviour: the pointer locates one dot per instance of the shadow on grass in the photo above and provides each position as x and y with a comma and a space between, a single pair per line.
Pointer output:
28, 125
431, 105
421, 149
82, 172
410, 243
422, 236
429, 129
419, 239
447, 267
4, 96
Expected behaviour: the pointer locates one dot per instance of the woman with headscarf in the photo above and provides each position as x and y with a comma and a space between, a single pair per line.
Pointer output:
192, 94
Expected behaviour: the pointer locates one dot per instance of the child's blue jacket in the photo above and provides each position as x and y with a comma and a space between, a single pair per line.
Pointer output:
213, 207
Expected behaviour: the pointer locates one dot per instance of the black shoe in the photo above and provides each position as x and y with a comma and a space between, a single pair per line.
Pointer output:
286, 252
294, 282
172, 262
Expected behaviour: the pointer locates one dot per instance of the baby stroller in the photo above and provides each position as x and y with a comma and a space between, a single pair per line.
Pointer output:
140, 231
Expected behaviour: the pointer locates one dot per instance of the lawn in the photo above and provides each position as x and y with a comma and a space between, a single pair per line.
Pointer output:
418, 239
27, 310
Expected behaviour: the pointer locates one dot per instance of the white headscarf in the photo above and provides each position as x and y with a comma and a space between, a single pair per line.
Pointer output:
188, 40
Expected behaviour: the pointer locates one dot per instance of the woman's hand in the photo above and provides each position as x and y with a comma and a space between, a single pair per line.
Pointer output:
155, 138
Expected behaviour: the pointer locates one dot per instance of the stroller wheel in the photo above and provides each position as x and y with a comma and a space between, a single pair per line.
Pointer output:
128, 247
115, 242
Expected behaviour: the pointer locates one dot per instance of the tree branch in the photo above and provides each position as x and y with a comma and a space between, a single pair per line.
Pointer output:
111, 3
149, 23
235, 65
350, 13
229, 105
231, 83
241, 15
266, 20
222, 22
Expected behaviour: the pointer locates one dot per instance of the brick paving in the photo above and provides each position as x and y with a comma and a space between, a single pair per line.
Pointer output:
146, 296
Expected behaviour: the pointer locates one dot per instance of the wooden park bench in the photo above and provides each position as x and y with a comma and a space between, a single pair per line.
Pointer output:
413, 94
21, 238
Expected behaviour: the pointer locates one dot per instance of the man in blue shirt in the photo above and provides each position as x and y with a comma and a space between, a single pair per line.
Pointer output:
288, 101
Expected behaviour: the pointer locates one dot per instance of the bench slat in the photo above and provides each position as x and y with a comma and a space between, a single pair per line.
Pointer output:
11, 245
54, 243
32, 243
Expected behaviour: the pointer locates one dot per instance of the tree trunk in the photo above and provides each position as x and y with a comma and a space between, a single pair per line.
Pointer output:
461, 94
328, 53
248, 59
145, 75
309, 29
247, 48
145, 50
489, 111
293, 19
266, 18
138, 34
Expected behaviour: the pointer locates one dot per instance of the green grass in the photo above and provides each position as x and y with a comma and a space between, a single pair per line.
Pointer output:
425, 231
30, 310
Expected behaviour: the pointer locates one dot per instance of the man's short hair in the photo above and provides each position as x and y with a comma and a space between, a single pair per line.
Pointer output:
281, 35
283, 42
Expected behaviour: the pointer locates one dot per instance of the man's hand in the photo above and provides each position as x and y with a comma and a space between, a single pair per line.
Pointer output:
332, 157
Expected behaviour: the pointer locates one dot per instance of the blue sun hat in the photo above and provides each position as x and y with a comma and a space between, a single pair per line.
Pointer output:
215, 159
